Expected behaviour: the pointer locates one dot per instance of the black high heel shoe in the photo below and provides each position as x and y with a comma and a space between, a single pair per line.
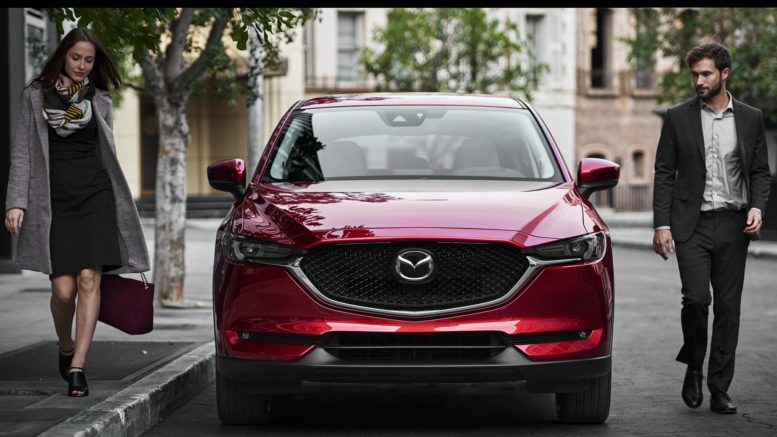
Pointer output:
76, 383
64, 361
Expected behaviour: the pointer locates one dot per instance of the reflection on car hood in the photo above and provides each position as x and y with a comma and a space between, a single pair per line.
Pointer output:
539, 209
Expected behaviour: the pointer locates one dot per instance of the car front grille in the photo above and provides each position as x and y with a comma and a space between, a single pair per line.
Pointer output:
414, 347
364, 275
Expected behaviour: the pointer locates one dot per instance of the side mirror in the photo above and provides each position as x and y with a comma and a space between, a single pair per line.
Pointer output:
594, 174
229, 176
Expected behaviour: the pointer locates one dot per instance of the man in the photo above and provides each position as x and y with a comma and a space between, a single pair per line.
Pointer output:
710, 191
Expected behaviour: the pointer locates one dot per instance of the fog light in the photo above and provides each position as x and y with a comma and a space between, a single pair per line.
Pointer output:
583, 334
232, 337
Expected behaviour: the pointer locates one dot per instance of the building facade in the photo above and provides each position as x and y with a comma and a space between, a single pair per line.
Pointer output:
594, 102
324, 59
615, 118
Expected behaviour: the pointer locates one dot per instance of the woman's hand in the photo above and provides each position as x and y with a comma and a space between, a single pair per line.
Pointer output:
13, 220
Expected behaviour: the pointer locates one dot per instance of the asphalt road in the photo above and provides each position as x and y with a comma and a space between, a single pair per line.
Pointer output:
646, 380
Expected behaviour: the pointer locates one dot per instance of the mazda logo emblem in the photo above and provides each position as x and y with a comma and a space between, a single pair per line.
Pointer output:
414, 265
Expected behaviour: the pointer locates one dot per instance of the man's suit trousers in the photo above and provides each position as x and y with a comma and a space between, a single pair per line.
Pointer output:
714, 254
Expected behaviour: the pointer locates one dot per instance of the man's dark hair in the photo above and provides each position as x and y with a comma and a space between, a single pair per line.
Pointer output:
710, 50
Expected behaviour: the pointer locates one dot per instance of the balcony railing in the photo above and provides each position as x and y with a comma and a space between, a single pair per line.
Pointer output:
625, 198
607, 83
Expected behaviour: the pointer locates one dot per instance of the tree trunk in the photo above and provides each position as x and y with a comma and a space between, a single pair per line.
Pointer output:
170, 224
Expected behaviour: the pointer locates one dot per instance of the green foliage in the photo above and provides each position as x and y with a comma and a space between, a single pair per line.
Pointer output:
130, 34
221, 80
749, 33
645, 40
121, 28
451, 49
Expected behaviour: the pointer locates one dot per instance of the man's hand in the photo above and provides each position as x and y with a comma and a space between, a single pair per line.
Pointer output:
663, 243
754, 223
13, 220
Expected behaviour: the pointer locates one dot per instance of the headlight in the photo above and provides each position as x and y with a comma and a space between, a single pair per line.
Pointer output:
244, 249
586, 248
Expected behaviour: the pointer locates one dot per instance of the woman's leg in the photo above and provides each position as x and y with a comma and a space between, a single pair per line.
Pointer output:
88, 308
63, 307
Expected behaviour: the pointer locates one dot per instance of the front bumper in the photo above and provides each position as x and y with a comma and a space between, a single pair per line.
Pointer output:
267, 300
319, 366
270, 332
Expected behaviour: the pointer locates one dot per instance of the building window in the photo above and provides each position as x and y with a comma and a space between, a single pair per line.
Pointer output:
596, 155
601, 39
35, 40
644, 76
638, 165
348, 46
534, 39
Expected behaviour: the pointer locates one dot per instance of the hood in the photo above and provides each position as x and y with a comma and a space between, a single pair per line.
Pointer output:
303, 213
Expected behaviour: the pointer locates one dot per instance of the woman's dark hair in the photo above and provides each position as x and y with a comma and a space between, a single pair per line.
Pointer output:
104, 74
710, 50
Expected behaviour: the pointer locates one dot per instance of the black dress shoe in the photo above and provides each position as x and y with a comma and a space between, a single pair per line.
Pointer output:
692, 393
76, 383
721, 403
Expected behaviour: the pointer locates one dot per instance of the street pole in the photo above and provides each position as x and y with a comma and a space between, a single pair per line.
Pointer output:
255, 109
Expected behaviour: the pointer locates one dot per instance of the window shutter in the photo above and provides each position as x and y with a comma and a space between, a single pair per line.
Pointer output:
554, 49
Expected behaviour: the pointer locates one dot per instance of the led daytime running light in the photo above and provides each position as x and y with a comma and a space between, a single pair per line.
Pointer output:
586, 248
244, 249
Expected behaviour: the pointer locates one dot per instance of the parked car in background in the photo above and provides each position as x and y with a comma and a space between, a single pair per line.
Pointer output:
413, 238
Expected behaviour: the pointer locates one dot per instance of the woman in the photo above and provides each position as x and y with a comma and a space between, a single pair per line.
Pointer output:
68, 200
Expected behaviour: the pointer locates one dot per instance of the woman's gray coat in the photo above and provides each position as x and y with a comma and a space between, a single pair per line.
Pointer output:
29, 189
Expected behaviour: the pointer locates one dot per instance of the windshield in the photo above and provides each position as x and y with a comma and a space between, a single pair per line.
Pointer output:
430, 142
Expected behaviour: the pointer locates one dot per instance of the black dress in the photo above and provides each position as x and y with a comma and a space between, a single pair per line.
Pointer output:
84, 232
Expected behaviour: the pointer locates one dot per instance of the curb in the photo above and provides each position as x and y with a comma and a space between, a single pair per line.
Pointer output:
139, 407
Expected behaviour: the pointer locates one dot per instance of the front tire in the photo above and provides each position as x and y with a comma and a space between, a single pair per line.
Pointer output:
589, 406
236, 407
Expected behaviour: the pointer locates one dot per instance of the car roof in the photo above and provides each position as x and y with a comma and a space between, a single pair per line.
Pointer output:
412, 99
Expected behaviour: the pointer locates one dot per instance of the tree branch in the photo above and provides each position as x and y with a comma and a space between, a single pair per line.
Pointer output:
174, 53
187, 77
132, 86
154, 82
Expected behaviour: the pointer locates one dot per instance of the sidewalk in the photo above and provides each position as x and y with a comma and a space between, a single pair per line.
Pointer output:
136, 381
132, 379
635, 230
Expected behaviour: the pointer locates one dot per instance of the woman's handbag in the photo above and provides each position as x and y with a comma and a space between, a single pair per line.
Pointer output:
127, 304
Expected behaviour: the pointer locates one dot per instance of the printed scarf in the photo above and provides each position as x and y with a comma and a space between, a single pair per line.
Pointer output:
68, 106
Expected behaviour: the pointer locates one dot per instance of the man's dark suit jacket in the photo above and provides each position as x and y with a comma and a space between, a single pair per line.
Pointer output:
680, 169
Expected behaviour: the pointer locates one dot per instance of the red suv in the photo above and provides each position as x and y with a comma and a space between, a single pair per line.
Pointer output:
413, 238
